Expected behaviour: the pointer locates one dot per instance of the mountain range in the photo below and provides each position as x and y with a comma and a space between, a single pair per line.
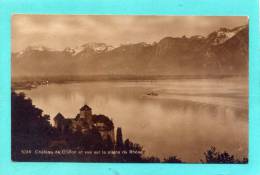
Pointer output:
222, 52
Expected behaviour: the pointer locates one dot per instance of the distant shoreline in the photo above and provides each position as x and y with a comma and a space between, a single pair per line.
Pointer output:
26, 82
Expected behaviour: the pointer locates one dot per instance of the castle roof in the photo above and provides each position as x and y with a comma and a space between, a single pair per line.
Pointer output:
85, 108
58, 116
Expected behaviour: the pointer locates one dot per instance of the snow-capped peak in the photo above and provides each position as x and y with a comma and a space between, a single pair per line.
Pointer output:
144, 44
76, 50
20, 53
197, 37
223, 34
69, 50
96, 47
38, 48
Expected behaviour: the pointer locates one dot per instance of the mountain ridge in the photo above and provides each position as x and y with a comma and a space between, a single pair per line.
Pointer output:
224, 51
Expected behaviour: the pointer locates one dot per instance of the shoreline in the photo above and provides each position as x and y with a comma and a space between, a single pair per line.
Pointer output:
27, 83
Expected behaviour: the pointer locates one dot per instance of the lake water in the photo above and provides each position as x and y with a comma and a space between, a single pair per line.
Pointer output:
187, 117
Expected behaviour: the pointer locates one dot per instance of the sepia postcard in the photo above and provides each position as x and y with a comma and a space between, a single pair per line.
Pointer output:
133, 89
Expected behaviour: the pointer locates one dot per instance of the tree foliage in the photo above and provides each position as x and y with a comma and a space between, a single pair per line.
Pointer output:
119, 139
214, 156
172, 159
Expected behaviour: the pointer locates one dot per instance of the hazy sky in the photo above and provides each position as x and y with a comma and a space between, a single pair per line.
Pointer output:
60, 31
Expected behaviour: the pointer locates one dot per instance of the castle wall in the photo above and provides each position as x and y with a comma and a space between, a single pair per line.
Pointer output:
85, 114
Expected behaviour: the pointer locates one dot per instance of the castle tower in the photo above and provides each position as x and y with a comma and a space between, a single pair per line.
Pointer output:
58, 121
86, 114
85, 111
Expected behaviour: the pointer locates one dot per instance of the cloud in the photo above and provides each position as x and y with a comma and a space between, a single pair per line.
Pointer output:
59, 31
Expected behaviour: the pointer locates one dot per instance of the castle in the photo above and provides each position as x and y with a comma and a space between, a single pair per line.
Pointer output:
84, 122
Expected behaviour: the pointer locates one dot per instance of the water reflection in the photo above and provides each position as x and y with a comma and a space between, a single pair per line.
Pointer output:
185, 119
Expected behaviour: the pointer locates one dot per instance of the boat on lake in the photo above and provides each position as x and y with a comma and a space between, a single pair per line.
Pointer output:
152, 94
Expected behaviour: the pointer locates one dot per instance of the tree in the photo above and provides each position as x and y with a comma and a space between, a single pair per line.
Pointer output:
119, 139
134, 152
213, 156
108, 144
172, 159
151, 159
30, 128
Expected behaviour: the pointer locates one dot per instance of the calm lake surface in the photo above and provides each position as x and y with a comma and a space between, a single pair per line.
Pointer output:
184, 119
